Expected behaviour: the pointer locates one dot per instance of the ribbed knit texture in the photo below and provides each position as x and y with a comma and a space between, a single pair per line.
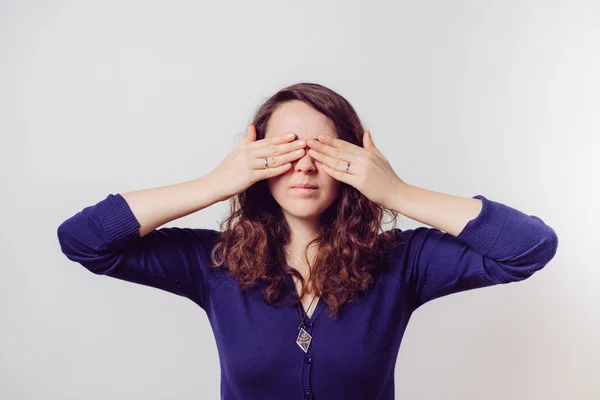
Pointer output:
353, 355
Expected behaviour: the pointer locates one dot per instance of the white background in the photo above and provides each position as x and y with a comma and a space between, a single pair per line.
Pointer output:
500, 98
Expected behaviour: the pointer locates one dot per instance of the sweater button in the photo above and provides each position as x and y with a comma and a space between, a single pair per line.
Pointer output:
307, 395
309, 360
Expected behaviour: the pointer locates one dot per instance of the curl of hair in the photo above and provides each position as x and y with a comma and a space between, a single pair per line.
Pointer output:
351, 243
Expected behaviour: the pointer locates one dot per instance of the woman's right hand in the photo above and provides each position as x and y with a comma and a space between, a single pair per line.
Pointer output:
245, 165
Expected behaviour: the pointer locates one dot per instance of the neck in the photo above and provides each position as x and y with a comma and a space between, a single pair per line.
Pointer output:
302, 231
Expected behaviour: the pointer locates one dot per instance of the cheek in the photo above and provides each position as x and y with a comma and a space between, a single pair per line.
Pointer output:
276, 184
331, 182
331, 188
272, 183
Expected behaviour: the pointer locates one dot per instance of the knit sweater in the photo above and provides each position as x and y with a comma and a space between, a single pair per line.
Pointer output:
352, 355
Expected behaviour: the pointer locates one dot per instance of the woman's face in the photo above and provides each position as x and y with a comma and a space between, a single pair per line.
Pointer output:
307, 123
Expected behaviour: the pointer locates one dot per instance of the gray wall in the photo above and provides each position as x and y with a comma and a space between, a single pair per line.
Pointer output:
499, 98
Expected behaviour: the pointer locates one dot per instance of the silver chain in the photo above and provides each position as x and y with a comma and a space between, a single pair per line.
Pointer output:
314, 297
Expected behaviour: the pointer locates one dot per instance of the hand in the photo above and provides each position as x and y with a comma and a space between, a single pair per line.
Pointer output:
369, 172
245, 165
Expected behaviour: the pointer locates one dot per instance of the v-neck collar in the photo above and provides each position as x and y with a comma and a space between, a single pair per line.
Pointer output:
294, 292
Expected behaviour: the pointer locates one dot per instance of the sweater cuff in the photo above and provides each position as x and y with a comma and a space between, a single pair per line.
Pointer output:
482, 232
117, 219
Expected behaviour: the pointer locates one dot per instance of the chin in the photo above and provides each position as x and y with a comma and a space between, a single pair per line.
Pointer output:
304, 205
305, 208
304, 213
302, 209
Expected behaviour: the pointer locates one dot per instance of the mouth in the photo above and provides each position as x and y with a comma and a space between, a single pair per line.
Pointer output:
305, 189
305, 186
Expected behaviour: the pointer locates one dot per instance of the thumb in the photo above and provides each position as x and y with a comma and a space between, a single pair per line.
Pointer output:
250, 134
368, 143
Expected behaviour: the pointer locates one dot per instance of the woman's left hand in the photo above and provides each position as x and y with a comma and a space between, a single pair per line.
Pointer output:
369, 172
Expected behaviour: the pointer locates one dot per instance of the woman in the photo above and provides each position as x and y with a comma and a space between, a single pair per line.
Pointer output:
309, 191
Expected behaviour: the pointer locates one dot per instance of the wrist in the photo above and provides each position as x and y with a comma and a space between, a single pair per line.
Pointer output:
211, 183
401, 198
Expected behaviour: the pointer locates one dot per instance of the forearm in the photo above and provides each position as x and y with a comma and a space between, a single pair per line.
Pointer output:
442, 211
157, 206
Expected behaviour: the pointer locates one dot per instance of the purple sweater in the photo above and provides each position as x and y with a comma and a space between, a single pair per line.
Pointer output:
352, 356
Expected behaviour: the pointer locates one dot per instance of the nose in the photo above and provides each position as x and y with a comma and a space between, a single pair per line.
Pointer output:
306, 163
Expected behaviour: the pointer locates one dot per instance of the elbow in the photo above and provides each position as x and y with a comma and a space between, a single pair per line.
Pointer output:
82, 246
550, 246
70, 242
62, 233
537, 259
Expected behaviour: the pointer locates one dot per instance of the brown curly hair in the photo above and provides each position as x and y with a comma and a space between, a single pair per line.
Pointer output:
351, 244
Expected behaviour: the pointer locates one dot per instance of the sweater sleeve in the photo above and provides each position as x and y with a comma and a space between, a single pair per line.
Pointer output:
499, 246
105, 239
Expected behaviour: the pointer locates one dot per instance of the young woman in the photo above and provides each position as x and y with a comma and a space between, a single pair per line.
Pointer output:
309, 189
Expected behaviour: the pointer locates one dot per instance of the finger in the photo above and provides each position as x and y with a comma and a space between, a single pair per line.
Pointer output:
278, 160
250, 134
277, 139
279, 148
337, 143
339, 175
369, 144
266, 173
333, 163
332, 152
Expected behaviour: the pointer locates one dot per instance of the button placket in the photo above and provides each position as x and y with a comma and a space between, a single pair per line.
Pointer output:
307, 365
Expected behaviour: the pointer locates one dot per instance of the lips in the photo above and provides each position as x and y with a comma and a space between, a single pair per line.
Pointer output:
305, 186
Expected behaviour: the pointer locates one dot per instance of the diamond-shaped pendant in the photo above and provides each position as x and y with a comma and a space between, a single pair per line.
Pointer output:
303, 340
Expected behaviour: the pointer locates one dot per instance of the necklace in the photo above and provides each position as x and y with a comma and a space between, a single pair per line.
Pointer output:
304, 338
